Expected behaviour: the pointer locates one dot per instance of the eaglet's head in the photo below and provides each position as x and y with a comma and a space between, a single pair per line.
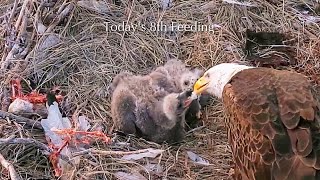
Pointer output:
188, 79
175, 105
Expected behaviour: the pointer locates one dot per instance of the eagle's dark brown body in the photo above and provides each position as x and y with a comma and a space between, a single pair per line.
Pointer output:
273, 122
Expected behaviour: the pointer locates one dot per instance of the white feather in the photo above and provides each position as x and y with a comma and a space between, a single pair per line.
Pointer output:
220, 75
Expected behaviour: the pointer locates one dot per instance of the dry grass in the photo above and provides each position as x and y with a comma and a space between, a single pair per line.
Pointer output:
88, 57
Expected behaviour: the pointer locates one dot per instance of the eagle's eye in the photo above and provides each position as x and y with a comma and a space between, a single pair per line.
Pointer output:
186, 83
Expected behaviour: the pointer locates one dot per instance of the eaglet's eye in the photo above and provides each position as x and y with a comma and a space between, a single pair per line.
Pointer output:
186, 83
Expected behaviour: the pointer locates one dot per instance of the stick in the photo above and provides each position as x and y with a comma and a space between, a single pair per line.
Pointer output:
106, 153
39, 144
9, 28
60, 17
76, 113
23, 27
13, 173
42, 147
62, 6
24, 6
15, 5
5, 99
20, 119
15, 49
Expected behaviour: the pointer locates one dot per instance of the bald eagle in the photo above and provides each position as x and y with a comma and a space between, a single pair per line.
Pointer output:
272, 118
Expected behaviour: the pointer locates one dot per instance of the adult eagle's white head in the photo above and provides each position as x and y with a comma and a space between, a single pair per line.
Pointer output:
214, 79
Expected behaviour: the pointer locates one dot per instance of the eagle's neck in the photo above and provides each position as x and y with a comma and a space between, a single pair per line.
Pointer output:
225, 76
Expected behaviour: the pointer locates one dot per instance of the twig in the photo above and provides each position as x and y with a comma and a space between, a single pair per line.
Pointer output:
5, 100
76, 113
62, 6
14, 51
23, 28
106, 153
195, 129
13, 173
60, 17
39, 144
42, 147
37, 20
15, 5
19, 129
17, 46
20, 119
24, 6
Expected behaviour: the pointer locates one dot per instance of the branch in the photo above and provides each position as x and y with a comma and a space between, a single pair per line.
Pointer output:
17, 46
106, 153
60, 17
41, 146
13, 173
15, 5
22, 13
62, 6
20, 119
5, 99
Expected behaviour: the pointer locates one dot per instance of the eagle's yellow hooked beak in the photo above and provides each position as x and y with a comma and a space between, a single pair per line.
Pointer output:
201, 85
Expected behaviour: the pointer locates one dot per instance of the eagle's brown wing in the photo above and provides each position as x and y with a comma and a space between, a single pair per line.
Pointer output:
273, 122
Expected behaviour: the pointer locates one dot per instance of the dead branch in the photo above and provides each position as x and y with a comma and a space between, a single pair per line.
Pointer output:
17, 47
5, 99
13, 173
41, 146
15, 5
10, 55
21, 120
23, 28
76, 113
22, 13
62, 6
106, 153
37, 20
38, 144
60, 17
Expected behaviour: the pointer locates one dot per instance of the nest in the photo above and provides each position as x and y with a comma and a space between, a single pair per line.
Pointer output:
80, 46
